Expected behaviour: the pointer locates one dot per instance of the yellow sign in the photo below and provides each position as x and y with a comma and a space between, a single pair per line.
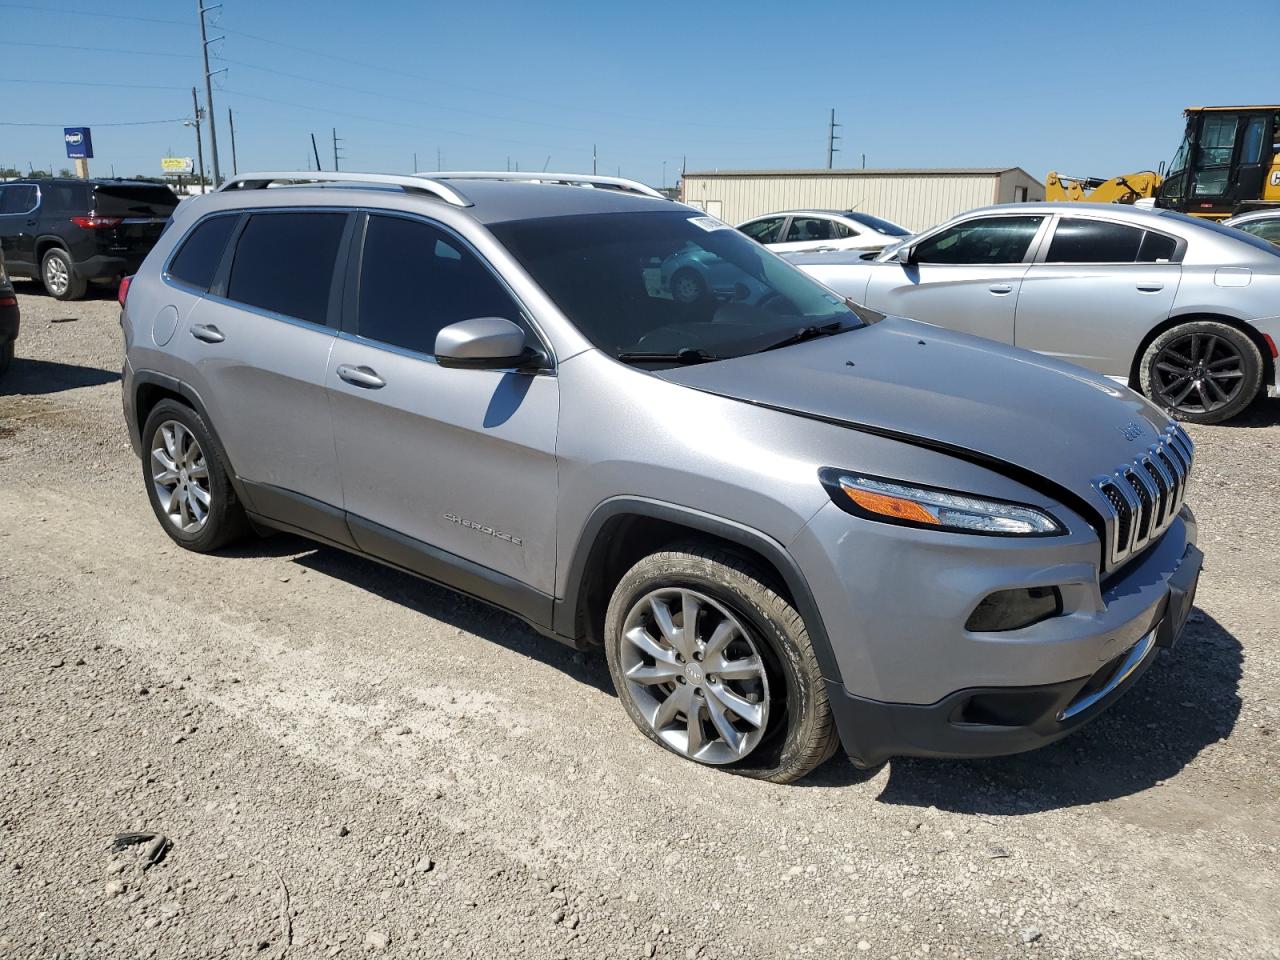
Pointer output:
177, 164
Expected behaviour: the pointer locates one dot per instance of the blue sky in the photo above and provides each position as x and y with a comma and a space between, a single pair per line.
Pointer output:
730, 85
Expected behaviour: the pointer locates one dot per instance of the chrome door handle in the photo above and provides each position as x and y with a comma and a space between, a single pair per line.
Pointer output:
1150, 287
207, 332
1000, 289
361, 376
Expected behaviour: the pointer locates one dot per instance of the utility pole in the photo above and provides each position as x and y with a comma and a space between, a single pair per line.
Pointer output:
231, 122
593, 159
832, 149
195, 122
664, 174
415, 161
316, 151
208, 88
440, 162
336, 141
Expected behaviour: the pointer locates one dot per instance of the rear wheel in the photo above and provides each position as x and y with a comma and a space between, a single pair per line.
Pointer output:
187, 482
714, 665
59, 275
1202, 372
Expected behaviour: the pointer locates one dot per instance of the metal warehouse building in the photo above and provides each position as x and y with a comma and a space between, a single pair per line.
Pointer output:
917, 199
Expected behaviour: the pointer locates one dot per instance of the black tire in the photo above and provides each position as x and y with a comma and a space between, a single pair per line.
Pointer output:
800, 732
225, 520
1202, 371
688, 286
73, 287
6, 356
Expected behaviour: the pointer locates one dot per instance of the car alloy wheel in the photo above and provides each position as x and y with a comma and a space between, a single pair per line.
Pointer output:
180, 476
1198, 373
56, 276
695, 672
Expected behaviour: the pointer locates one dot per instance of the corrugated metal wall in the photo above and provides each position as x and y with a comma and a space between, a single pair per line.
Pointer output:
916, 201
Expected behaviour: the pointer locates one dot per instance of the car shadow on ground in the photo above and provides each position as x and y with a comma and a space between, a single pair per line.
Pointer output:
35, 377
438, 603
1264, 413
94, 291
1188, 700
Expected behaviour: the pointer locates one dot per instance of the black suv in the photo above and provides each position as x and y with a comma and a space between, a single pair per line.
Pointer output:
67, 232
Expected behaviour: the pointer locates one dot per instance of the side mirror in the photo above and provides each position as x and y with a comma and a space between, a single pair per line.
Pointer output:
907, 254
482, 342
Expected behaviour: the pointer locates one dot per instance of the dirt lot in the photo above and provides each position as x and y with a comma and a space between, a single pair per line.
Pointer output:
350, 761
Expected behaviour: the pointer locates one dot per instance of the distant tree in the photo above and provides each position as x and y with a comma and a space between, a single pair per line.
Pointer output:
39, 173
8, 173
64, 172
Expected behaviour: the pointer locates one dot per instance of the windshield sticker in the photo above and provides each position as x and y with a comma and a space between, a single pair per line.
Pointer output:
709, 223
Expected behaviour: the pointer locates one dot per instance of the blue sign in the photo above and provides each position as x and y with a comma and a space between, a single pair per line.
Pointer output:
79, 143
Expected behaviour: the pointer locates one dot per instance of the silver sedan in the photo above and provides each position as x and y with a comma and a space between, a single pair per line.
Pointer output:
1184, 310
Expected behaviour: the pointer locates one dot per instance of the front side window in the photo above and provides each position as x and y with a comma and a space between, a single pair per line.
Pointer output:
197, 261
764, 231
416, 279
17, 199
989, 240
1093, 241
1217, 140
809, 229
284, 263
658, 284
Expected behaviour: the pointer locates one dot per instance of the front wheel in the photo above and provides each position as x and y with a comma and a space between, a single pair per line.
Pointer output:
1202, 372
714, 665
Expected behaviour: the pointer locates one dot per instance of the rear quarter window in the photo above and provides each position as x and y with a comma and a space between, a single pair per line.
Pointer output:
201, 252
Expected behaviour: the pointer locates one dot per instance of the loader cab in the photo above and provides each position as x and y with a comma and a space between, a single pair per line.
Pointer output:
1228, 162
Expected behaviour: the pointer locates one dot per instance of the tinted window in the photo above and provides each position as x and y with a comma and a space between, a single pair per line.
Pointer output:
284, 263
1093, 241
808, 229
990, 240
1155, 247
201, 252
1266, 229
764, 231
416, 279
141, 201
60, 196
17, 199
659, 283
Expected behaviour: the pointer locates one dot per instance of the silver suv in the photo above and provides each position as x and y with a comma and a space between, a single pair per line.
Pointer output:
791, 523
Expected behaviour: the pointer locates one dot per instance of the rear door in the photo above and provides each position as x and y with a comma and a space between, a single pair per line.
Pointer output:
440, 465
19, 213
967, 276
807, 232
1100, 287
257, 347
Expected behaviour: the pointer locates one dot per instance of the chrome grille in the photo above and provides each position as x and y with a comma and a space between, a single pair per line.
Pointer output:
1145, 495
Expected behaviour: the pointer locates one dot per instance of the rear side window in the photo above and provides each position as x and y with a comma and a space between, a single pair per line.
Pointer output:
197, 261
1093, 241
809, 229
1156, 247
415, 279
284, 263
142, 201
62, 196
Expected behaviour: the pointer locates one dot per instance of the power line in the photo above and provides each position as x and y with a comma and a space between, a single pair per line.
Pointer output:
91, 13
91, 83
119, 123
69, 46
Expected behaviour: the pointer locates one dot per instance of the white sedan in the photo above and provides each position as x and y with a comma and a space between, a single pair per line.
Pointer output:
804, 231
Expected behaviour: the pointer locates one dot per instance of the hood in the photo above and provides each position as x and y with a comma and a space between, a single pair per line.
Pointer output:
951, 391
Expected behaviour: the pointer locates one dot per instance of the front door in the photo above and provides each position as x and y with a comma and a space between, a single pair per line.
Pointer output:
450, 472
1102, 286
966, 277
18, 222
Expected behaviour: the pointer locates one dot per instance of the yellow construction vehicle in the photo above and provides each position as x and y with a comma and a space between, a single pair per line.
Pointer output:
1228, 163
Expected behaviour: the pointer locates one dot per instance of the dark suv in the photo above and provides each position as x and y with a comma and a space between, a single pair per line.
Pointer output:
67, 232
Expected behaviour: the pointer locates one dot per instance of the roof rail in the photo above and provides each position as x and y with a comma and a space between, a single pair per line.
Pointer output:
572, 179
409, 183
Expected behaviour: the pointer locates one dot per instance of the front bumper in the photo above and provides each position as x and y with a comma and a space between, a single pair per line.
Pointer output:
10, 318
996, 721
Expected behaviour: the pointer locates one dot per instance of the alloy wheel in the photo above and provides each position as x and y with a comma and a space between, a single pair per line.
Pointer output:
1198, 373
694, 671
56, 277
180, 476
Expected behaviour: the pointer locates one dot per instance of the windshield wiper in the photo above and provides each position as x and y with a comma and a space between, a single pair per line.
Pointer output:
809, 333
683, 355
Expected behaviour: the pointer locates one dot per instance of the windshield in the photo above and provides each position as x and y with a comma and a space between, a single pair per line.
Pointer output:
887, 227
666, 283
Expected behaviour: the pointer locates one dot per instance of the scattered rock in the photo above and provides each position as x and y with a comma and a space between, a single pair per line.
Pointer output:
863, 945
377, 940
425, 865
1030, 934
114, 888
343, 831
995, 852
650, 948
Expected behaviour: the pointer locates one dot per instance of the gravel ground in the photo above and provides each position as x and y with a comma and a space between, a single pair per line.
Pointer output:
347, 761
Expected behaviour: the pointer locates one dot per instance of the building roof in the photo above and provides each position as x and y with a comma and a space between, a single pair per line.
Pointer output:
860, 172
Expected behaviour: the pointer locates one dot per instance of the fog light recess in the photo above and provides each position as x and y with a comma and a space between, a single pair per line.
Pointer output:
1014, 609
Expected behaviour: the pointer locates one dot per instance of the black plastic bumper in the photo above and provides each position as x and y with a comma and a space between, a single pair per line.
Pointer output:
996, 721
104, 267
9, 319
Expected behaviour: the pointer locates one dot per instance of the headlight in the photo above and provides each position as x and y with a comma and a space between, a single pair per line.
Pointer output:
875, 498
